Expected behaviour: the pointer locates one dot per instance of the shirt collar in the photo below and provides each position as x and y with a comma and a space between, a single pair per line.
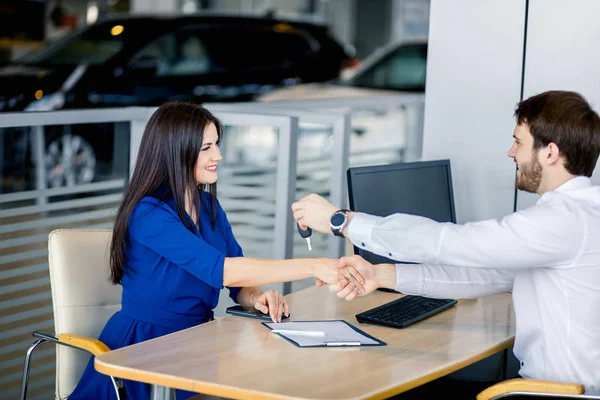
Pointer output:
579, 182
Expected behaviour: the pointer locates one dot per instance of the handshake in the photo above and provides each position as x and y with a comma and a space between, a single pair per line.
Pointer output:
348, 277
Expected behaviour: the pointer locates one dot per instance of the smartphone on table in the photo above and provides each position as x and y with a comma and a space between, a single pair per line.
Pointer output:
254, 313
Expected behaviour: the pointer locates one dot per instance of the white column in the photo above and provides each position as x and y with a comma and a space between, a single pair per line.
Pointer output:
561, 37
473, 85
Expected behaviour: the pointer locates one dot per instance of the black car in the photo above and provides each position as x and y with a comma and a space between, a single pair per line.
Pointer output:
146, 61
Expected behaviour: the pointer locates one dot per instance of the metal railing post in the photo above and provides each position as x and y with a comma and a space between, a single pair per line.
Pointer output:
285, 191
38, 149
339, 166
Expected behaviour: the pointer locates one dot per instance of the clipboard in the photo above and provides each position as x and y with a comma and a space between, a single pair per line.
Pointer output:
327, 333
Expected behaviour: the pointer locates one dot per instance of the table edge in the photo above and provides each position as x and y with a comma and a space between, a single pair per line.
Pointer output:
243, 394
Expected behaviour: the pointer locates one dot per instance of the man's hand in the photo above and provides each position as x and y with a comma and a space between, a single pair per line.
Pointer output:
327, 271
315, 212
375, 276
367, 270
364, 268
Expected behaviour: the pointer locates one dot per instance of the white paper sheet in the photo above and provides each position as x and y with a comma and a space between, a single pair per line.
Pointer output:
336, 334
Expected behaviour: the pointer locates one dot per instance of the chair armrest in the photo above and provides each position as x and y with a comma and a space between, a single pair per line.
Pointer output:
530, 385
94, 346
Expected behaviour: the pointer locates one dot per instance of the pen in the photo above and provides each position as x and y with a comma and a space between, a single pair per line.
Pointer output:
300, 333
342, 343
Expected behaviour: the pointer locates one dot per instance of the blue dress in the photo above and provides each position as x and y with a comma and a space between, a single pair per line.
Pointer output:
174, 279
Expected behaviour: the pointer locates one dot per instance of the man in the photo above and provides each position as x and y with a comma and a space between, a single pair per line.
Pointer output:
548, 255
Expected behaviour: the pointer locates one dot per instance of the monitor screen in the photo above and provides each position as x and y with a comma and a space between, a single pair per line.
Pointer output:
419, 188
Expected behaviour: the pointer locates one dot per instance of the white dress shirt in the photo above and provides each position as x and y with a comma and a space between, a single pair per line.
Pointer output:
548, 255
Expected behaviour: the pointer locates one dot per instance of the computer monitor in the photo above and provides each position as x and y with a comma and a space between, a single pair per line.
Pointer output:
419, 188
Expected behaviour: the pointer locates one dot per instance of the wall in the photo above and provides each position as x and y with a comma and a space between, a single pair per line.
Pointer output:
410, 18
340, 16
372, 26
476, 65
562, 53
154, 6
473, 85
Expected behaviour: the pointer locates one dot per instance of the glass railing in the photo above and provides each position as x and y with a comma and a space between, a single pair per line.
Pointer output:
68, 169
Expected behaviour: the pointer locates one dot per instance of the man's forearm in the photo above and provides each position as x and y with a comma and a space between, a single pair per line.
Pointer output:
452, 282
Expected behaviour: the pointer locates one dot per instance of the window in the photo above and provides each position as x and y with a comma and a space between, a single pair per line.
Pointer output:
404, 69
174, 54
90, 46
200, 50
257, 48
192, 58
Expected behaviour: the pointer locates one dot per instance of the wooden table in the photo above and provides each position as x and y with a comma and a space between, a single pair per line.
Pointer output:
239, 358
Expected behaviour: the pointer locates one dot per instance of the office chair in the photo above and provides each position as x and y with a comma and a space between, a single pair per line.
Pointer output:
83, 300
534, 388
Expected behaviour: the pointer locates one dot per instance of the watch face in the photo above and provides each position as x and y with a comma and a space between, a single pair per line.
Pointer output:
337, 219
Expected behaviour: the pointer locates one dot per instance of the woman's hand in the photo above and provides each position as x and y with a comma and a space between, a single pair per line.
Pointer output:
273, 303
367, 271
324, 269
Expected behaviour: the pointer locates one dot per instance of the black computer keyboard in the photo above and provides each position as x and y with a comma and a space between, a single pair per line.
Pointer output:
405, 311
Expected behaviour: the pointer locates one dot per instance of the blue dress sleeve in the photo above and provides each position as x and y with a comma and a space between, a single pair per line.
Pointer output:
156, 226
233, 248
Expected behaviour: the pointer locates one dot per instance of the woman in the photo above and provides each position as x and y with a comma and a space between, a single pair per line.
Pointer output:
173, 249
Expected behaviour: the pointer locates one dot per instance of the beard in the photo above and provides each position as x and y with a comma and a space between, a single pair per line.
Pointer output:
531, 176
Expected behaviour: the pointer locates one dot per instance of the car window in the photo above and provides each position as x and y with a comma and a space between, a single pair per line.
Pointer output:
93, 45
258, 49
194, 51
404, 69
192, 58
174, 54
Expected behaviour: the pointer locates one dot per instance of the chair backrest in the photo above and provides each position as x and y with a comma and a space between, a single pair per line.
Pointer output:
83, 299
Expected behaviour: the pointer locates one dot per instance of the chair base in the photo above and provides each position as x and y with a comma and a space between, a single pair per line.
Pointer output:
46, 338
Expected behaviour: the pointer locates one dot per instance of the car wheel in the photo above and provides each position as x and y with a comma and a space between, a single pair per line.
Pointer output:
70, 160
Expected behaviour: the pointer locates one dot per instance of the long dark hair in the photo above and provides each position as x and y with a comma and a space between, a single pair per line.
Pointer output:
166, 159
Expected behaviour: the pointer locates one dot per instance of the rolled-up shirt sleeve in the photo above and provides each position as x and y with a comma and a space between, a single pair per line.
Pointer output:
159, 229
533, 238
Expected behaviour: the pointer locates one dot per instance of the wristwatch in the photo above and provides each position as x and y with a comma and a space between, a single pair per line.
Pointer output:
338, 222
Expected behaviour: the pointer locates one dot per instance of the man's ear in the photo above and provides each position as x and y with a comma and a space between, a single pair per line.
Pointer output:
551, 154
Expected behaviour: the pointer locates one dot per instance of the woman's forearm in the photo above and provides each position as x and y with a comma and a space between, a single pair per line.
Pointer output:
245, 271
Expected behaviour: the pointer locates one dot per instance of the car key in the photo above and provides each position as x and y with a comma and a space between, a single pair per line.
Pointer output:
306, 235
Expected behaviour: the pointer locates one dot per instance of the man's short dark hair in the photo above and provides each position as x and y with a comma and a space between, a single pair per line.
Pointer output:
566, 119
